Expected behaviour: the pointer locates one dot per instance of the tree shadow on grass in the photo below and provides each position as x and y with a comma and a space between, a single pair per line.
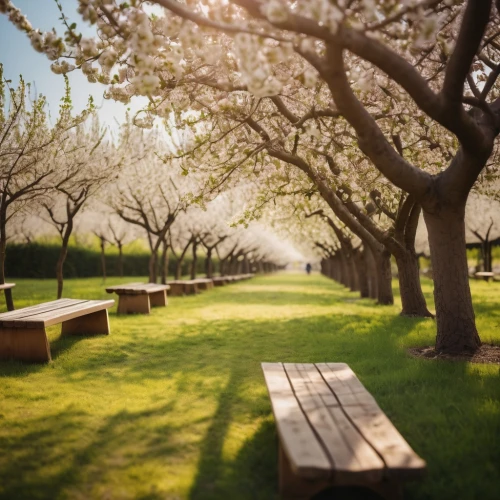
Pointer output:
52, 459
441, 408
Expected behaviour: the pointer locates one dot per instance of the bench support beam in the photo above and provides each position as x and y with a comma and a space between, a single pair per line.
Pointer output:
96, 323
24, 344
134, 304
158, 299
293, 487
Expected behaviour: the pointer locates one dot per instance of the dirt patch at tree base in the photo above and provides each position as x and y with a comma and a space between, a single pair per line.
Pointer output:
487, 353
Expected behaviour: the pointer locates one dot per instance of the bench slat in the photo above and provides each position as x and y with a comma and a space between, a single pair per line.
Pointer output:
137, 288
364, 412
59, 314
305, 453
70, 312
351, 455
31, 310
5, 286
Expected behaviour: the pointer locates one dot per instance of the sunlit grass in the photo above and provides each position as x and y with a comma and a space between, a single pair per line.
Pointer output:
174, 405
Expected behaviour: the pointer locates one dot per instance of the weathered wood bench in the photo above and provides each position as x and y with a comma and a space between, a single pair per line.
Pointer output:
204, 283
220, 281
333, 433
484, 275
139, 297
22, 332
183, 287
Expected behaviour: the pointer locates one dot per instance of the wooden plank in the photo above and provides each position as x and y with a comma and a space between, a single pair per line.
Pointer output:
66, 313
353, 458
402, 462
363, 411
307, 457
5, 286
19, 314
24, 344
137, 288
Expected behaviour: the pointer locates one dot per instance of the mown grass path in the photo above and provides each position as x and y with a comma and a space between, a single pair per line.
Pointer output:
174, 406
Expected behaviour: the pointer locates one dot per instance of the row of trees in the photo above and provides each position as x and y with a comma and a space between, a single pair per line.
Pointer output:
385, 110
73, 174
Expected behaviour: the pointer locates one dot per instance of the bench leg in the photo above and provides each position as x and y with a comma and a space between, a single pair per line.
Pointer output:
176, 290
158, 299
24, 344
91, 324
292, 487
132, 304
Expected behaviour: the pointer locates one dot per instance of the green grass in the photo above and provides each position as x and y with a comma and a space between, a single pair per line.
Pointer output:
174, 406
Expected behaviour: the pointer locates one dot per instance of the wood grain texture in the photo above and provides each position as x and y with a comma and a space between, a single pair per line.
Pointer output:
134, 304
51, 313
333, 432
137, 288
24, 344
306, 455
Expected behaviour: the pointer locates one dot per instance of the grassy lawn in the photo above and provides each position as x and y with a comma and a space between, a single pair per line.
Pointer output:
174, 406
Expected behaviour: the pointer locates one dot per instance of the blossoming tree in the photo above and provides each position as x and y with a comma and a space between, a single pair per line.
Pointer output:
433, 61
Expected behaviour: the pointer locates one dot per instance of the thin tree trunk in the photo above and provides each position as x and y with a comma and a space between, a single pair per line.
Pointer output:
372, 273
62, 256
209, 263
152, 266
164, 263
194, 262
103, 259
352, 273
456, 326
362, 266
120, 260
412, 297
384, 278
178, 266
3, 253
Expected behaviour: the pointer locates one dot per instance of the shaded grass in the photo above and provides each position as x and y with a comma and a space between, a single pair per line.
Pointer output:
174, 406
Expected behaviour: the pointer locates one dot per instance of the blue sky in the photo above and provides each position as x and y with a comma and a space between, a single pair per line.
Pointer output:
19, 58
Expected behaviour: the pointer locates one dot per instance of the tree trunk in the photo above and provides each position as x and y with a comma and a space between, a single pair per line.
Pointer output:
456, 326
209, 264
353, 274
487, 256
344, 271
412, 297
180, 260
364, 287
152, 266
120, 260
384, 278
62, 256
195, 259
3, 252
164, 263
103, 259
372, 273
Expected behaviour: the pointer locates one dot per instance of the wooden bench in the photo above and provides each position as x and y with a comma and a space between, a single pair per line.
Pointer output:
204, 283
183, 287
139, 297
220, 281
22, 332
485, 275
333, 433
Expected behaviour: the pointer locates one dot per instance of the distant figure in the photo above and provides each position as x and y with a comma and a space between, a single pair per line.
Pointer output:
308, 268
